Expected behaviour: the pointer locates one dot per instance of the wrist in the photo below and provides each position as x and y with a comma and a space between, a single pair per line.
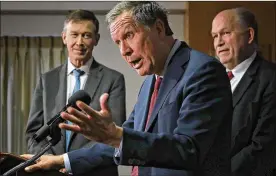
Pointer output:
117, 137
59, 162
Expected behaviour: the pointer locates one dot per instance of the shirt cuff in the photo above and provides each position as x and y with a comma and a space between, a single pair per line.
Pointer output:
67, 163
117, 153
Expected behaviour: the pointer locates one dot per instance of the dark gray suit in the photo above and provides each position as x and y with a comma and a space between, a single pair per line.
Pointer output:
50, 97
254, 121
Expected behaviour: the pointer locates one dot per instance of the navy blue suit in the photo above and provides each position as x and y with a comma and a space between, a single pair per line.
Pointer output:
189, 132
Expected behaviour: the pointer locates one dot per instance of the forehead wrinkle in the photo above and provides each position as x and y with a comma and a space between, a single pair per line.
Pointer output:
121, 20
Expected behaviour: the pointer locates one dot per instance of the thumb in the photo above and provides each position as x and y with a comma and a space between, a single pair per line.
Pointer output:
103, 102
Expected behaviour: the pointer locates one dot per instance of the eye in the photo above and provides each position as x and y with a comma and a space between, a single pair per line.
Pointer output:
87, 36
118, 42
214, 36
74, 35
226, 33
129, 35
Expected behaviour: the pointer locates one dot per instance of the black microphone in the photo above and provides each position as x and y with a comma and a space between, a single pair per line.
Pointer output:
44, 131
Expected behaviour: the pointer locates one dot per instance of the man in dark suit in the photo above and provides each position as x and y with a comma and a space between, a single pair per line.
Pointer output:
253, 83
186, 132
80, 35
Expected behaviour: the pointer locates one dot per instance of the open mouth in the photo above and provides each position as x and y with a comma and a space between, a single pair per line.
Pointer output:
136, 63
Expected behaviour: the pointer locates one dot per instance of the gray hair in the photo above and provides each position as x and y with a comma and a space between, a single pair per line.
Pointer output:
247, 19
143, 12
81, 15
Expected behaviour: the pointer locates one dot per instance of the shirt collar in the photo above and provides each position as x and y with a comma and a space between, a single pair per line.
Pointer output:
84, 68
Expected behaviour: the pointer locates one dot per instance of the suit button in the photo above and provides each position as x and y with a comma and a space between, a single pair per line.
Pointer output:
130, 161
134, 162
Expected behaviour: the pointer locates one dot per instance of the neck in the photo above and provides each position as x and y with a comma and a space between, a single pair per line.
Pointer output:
234, 62
78, 62
166, 48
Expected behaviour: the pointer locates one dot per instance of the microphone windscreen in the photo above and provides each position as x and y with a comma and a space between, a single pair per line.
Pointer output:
79, 95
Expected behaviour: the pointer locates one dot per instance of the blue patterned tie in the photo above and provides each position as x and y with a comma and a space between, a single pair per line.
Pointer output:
77, 73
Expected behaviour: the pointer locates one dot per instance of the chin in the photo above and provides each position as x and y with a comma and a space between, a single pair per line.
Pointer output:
223, 59
141, 73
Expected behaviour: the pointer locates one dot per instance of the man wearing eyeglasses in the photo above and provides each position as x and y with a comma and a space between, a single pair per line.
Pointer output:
253, 84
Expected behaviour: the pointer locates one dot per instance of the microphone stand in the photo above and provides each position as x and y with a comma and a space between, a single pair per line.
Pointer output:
53, 138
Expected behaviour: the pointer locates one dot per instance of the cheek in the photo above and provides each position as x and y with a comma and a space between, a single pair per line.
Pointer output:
70, 44
90, 44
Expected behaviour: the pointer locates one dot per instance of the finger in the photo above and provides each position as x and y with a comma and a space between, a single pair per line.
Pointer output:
88, 110
74, 128
103, 102
71, 115
62, 170
26, 156
32, 168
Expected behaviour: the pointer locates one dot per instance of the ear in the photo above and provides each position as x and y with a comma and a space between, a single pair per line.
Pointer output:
160, 27
97, 39
251, 35
63, 36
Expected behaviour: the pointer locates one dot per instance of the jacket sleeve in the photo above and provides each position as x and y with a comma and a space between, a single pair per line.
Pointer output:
36, 120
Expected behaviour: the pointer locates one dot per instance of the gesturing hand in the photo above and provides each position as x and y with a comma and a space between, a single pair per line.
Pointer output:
45, 162
94, 125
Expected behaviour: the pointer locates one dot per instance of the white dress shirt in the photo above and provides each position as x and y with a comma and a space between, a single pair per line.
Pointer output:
71, 81
239, 71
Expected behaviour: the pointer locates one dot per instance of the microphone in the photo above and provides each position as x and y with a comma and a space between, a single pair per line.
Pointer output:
43, 132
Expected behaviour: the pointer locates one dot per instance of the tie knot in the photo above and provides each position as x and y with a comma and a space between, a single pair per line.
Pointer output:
230, 75
157, 82
78, 72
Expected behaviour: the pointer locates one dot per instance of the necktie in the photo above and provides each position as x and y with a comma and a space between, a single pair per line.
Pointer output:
158, 81
230, 75
77, 73
154, 96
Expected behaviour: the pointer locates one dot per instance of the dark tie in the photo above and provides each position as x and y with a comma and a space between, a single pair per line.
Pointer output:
230, 75
77, 73
158, 81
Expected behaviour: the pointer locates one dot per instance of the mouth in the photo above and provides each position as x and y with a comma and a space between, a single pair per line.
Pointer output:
80, 51
222, 51
136, 64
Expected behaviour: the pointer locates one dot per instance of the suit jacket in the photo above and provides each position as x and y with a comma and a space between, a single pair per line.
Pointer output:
254, 121
189, 132
50, 97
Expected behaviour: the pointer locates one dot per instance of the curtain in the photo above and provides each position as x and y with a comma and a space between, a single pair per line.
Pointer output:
23, 60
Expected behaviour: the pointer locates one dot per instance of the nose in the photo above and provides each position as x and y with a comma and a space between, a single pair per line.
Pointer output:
218, 42
125, 49
79, 40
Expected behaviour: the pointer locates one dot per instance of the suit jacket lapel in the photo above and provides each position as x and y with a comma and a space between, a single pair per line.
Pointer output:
145, 93
245, 81
93, 81
174, 72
